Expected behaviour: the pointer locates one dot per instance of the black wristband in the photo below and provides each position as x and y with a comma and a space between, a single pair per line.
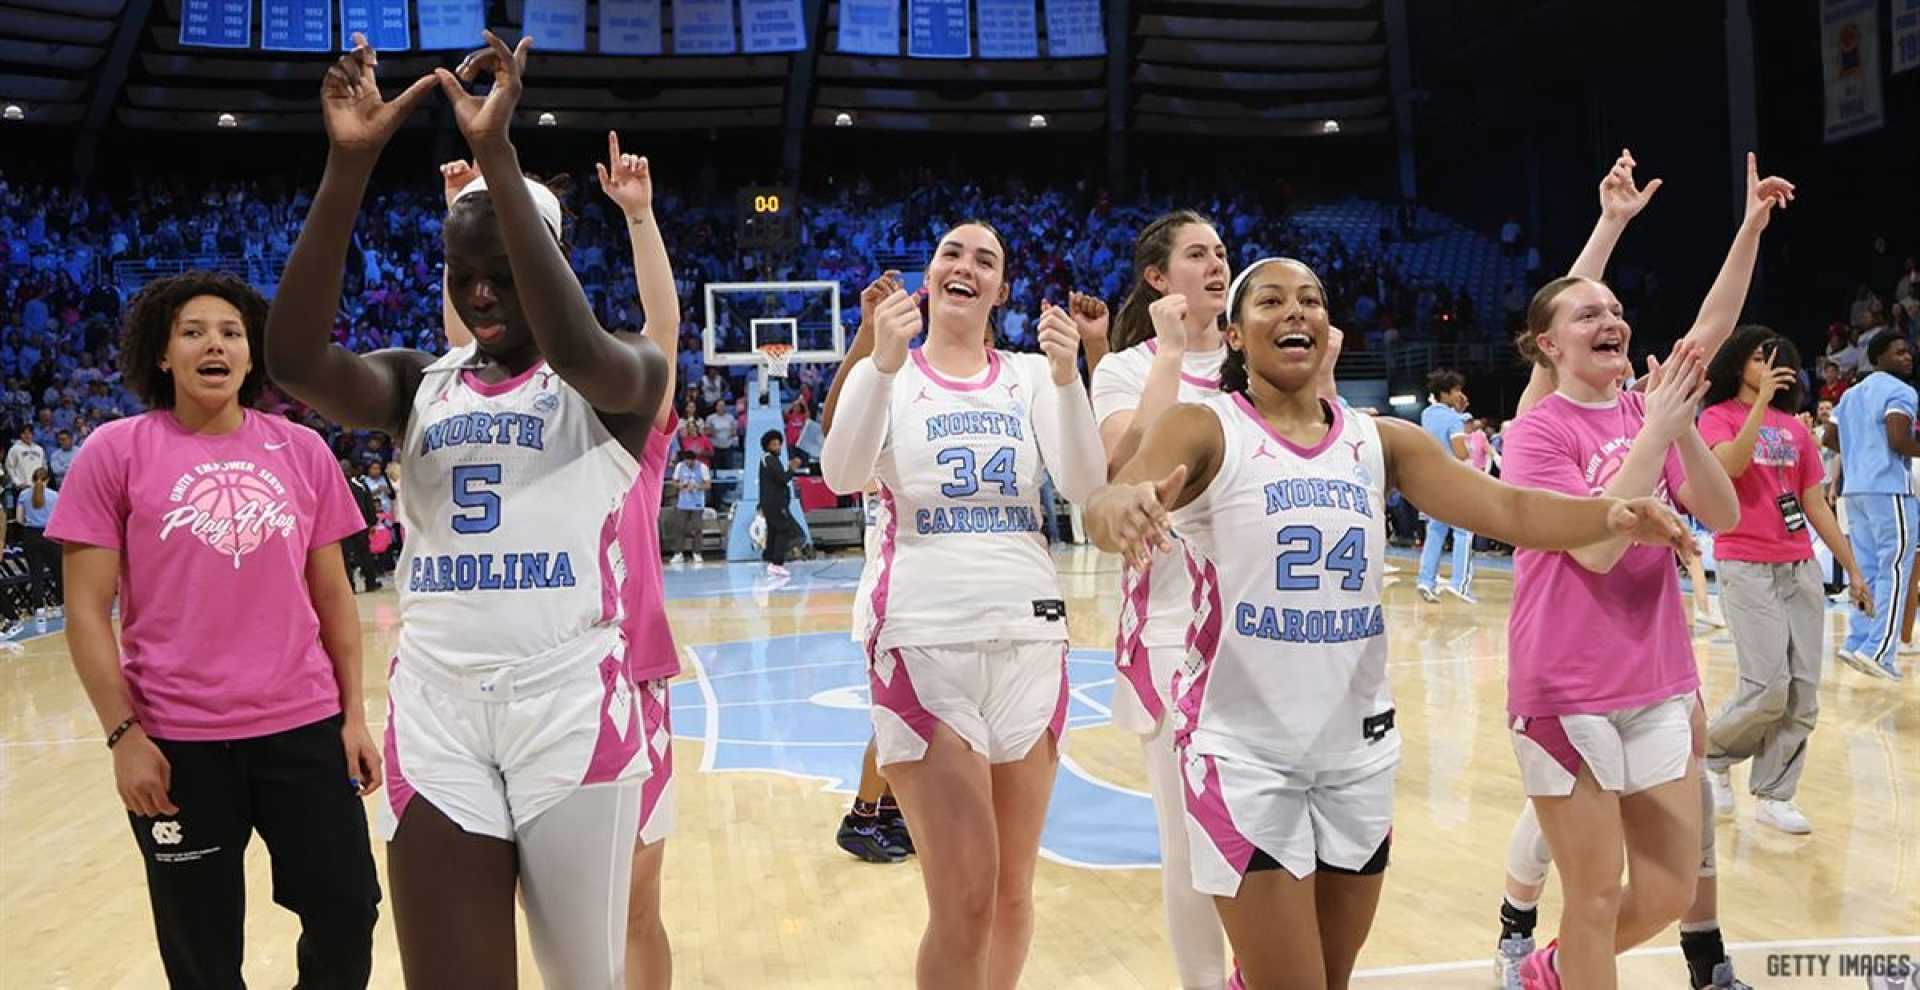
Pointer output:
121, 730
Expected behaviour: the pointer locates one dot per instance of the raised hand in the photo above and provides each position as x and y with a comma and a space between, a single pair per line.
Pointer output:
1169, 315
1778, 379
1138, 517
1089, 315
356, 117
876, 293
457, 175
1060, 342
1674, 393
1620, 198
625, 179
487, 119
1763, 195
1647, 521
896, 322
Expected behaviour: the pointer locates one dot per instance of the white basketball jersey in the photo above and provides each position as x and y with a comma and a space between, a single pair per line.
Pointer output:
513, 522
1287, 656
963, 548
869, 567
1154, 605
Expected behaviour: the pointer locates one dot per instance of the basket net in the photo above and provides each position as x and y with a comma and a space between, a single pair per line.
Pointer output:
774, 357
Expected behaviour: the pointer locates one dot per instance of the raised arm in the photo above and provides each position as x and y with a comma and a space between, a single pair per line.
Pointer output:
1448, 490
1122, 432
1090, 316
628, 181
862, 345
454, 175
850, 454
360, 391
1063, 416
616, 374
1179, 459
1621, 199
1720, 310
1736, 455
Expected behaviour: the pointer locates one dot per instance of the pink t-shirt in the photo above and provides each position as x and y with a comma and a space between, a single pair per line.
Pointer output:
1785, 460
218, 635
1580, 642
1479, 451
651, 653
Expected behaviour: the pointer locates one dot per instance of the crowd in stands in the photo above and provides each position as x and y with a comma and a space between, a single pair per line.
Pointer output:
70, 257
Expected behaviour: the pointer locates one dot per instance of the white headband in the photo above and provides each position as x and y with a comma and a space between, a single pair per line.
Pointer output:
1240, 281
544, 201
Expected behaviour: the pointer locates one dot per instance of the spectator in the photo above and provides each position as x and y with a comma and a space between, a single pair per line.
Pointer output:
32, 512
721, 432
693, 437
24, 458
1833, 383
60, 459
691, 480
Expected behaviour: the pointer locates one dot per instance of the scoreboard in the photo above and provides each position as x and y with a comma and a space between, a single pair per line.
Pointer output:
769, 217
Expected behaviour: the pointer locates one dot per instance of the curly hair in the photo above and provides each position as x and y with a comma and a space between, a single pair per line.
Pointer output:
149, 327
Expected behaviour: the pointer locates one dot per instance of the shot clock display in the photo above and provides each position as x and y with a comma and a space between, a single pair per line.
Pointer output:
768, 217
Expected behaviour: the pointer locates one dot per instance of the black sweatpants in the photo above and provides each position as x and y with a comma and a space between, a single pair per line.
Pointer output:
292, 788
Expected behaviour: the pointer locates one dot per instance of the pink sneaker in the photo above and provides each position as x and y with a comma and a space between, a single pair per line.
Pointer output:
1537, 972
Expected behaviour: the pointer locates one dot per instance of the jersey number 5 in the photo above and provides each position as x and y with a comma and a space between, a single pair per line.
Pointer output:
1302, 549
967, 474
470, 492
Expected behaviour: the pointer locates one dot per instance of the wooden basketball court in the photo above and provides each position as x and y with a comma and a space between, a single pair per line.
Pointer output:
769, 720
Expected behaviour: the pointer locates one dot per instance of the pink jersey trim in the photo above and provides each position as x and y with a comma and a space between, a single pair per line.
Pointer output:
883, 581
473, 381
926, 368
1130, 655
1058, 723
656, 721
1203, 643
1333, 431
896, 694
1550, 735
617, 744
399, 791
1209, 807
1210, 384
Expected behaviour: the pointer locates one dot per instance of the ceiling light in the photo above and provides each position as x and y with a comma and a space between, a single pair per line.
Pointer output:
843, 119
1403, 401
1330, 127
14, 112
1037, 122
226, 120
548, 120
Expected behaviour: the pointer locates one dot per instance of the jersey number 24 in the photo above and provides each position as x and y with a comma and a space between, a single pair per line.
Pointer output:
1301, 546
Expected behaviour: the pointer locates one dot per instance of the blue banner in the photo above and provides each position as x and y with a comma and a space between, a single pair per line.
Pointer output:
296, 25
557, 25
1074, 29
703, 27
216, 23
384, 22
870, 27
1008, 29
455, 24
630, 27
771, 26
938, 29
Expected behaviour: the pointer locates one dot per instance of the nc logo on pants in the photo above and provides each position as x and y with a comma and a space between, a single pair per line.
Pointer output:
166, 833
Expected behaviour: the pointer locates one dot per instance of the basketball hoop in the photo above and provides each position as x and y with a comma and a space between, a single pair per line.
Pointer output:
774, 359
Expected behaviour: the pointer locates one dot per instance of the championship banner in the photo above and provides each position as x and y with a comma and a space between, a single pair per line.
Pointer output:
1074, 29
630, 27
557, 25
1008, 29
451, 24
1906, 35
703, 27
1850, 57
384, 22
771, 26
216, 23
938, 29
870, 27
296, 25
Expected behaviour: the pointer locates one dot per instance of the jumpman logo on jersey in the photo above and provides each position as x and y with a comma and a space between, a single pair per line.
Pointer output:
1264, 452
1356, 446
923, 396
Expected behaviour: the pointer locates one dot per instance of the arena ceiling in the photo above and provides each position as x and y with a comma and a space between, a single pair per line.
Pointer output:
1274, 68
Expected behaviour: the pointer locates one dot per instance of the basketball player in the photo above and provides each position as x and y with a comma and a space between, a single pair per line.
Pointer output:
873, 828
517, 738
204, 513
1445, 419
1285, 725
968, 645
1166, 349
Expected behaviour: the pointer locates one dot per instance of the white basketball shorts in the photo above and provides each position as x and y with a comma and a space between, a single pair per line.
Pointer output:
1302, 820
999, 696
1627, 751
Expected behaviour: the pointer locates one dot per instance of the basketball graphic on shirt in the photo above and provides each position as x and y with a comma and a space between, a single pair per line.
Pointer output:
233, 508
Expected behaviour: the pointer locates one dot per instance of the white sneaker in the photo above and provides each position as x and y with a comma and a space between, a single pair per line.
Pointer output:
1507, 960
1783, 815
778, 571
1465, 596
1711, 616
1428, 595
1909, 650
1859, 662
678, 559
699, 558
1722, 782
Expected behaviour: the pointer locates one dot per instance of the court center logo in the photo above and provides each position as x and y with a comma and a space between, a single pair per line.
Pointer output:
233, 507
798, 706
